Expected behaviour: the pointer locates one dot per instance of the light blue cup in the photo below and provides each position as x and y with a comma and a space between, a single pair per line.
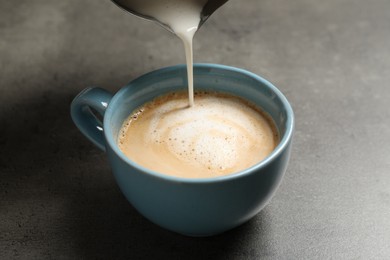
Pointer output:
194, 207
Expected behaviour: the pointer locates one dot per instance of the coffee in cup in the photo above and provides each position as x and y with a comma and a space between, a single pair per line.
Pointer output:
189, 206
220, 135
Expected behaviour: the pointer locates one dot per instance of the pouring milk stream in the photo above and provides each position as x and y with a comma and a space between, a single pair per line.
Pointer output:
182, 17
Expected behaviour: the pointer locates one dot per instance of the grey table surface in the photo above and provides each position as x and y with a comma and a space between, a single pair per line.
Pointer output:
58, 198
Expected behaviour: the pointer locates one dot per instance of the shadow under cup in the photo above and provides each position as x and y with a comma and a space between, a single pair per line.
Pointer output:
194, 207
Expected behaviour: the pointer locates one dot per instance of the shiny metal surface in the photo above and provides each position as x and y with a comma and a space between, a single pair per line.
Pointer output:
210, 7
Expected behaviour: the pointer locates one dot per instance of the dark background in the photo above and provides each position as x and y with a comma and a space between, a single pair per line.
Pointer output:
58, 198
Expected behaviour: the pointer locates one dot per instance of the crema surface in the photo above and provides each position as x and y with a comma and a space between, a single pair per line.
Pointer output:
221, 134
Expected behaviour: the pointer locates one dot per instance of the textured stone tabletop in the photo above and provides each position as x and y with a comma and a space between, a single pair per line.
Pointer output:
58, 198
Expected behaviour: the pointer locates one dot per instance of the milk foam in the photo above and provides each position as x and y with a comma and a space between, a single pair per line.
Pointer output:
218, 136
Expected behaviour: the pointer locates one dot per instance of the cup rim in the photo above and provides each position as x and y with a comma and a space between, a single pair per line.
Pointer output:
269, 159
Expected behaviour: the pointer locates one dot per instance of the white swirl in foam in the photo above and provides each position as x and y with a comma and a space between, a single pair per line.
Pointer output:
211, 136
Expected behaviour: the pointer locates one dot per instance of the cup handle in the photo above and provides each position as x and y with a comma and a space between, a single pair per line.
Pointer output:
85, 119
